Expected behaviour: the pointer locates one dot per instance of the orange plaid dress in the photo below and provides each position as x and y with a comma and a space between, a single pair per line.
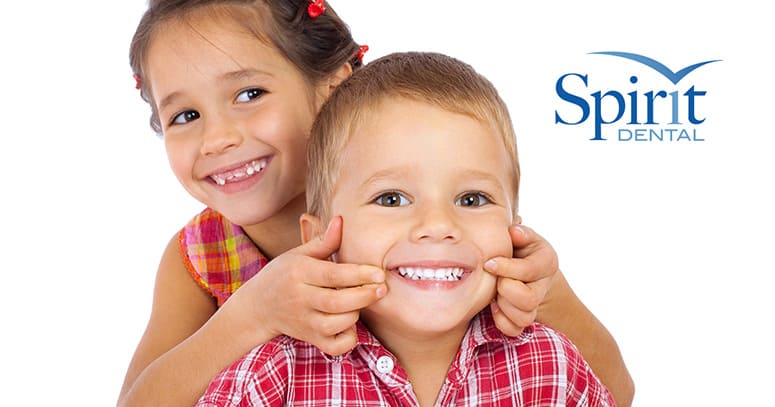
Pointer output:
219, 254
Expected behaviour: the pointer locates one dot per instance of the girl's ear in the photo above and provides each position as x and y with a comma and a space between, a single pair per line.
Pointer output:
324, 89
338, 77
310, 227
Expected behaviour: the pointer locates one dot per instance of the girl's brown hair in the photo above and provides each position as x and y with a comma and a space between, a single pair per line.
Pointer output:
316, 46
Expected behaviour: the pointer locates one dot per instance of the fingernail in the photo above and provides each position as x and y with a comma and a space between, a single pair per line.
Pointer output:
378, 277
381, 291
494, 308
491, 265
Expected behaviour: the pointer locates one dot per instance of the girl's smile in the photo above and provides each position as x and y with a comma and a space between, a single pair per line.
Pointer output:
235, 115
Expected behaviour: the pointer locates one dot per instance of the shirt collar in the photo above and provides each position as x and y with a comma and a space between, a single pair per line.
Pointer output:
482, 330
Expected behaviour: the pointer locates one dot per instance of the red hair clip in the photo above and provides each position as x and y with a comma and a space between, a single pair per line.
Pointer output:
362, 51
138, 82
316, 8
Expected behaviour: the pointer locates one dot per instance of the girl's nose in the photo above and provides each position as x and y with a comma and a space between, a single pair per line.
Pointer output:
219, 137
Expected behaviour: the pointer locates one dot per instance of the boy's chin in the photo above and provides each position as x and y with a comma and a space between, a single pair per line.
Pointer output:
428, 314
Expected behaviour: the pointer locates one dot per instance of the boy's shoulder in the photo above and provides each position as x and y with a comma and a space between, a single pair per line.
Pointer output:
582, 383
543, 334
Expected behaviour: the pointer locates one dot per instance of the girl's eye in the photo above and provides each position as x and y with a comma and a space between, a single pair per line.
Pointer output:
185, 117
249, 94
391, 199
473, 199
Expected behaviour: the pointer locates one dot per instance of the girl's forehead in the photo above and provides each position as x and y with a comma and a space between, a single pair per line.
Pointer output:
197, 38
199, 25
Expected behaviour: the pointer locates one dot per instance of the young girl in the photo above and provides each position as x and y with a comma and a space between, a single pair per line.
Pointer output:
234, 87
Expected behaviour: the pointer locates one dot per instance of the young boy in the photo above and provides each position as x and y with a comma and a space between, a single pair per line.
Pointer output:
417, 154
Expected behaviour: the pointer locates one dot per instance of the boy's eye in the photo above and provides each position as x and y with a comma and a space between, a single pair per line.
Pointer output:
391, 199
249, 94
185, 117
473, 199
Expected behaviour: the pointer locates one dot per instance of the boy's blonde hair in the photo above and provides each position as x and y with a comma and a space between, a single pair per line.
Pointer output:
426, 77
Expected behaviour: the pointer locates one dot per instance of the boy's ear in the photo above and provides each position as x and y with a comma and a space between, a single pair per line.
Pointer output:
310, 227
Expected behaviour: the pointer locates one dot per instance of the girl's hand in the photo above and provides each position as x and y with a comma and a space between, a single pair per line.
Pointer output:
305, 296
523, 280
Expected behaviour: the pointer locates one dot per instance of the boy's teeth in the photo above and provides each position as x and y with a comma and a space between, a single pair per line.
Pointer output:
252, 168
440, 274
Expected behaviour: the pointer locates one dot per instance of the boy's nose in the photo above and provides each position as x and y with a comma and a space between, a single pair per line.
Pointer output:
219, 137
436, 224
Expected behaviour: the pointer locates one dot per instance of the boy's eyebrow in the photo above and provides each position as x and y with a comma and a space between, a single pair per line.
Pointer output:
474, 173
404, 172
386, 174
228, 76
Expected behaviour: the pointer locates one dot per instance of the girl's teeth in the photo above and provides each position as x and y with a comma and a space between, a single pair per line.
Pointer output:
250, 169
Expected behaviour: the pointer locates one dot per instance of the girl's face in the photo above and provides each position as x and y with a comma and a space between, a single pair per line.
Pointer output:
235, 116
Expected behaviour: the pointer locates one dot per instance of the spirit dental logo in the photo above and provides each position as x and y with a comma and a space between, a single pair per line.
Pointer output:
654, 115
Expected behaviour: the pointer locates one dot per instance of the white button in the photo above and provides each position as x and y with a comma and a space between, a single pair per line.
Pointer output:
385, 364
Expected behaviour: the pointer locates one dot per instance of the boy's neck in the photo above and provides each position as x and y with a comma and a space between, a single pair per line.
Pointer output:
425, 359
279, 233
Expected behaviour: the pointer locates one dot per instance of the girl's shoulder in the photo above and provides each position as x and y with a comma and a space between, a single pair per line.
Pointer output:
219, 254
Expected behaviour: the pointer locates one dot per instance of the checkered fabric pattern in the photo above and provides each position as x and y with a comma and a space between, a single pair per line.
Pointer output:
538, 368
219, 254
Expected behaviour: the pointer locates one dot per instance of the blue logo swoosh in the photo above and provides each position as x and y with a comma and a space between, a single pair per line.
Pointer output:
674, 77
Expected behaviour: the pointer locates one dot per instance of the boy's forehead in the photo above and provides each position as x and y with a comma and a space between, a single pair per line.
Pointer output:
396, 124
390, 112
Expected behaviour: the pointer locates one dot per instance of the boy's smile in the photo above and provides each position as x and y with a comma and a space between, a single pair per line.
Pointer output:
426, 194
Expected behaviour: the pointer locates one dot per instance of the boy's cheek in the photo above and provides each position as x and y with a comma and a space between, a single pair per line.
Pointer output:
360, 243
498, 245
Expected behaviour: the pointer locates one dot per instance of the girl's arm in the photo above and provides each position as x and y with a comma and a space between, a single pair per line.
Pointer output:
189, 340
531, 287
564, 311
186, 341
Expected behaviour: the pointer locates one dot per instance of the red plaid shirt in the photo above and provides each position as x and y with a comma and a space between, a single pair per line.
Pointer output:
540, 367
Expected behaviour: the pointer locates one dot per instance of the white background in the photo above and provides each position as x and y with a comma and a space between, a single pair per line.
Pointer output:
670, 244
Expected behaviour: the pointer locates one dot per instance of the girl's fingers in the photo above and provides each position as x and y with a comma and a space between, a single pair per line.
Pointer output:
523, 296
335, 275
511, 320
333, 301
534, 258
339, 343
327, 244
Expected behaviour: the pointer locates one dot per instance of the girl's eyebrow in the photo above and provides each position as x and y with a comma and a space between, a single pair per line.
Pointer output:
237, 75
168, 100
244, 73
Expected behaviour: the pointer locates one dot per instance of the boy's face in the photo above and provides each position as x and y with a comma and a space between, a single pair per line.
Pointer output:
426, 195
